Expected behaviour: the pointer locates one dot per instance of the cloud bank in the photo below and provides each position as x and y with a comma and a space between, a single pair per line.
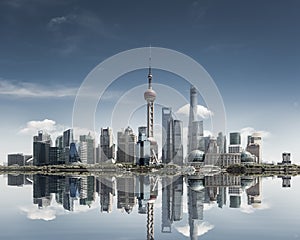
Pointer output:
202, 228
202, 111
33, 90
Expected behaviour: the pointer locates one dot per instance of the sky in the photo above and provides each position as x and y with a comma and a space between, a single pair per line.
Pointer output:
251, 49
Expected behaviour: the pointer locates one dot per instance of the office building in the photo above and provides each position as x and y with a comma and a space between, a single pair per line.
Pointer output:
221, 142
166, 119
235, 143
254, 146
41, 148
192, 117
227, 159
107, 146
172, 150
68, 138
177, 142
286, 158
142, 150
73, 154
212, 154
87, 149
126, 146
60, 150
15, 159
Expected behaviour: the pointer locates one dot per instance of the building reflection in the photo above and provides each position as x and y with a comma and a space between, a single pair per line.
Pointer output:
139, 193
172, 202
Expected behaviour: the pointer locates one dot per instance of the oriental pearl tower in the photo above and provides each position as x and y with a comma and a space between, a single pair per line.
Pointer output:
150, 96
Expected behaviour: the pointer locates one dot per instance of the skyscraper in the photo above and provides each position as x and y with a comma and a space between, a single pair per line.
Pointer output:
150, 96
192, 116
172, 150
126, 146
68, 137
87, 149
196, 137
107, 146
166, 118
177, 142
41, 148
235, 142
66, 141
254, 146
142, 151
221, 142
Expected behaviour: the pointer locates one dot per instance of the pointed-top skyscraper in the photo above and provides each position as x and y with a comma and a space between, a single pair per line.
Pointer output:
150, 96
192, 116
195, 128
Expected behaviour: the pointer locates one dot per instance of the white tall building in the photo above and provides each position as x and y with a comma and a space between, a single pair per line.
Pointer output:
192, 118
87, 149
177, 142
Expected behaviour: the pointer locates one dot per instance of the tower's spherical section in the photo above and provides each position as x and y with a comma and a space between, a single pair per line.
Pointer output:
150, 95
152, 141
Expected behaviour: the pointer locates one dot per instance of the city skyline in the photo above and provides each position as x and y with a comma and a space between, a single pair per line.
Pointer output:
250, 49
143, 149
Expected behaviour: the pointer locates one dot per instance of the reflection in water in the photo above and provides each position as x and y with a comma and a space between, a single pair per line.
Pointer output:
142, 192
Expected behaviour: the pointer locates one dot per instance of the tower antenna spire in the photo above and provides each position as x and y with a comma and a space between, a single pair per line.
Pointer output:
150, 74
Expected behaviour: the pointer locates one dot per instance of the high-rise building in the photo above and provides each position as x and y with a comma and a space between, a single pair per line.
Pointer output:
87, 149
106, 144
177, 142
192, 118
172, 150
41, 148
73, 154
166, 118
60, 150
212, 155
254, 146
15, 159
126, 146
66, 142
235, 142
221, 142
142, 150
68, 138
150, 96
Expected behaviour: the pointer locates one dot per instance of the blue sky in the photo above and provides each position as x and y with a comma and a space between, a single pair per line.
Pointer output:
250, 48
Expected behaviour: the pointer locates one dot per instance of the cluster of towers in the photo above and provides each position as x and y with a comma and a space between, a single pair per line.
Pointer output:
143, 148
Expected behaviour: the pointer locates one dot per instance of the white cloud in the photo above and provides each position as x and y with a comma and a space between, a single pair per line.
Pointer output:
202, 111
245, 132
249, 131
33, 90
33, 126
245, 208
49, 213
34, 213
52, 128
201, 229
57, 21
